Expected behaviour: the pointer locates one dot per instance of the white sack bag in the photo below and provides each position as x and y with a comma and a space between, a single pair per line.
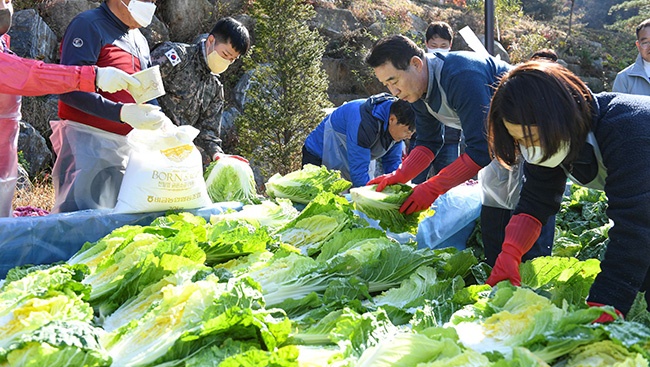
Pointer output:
165, 172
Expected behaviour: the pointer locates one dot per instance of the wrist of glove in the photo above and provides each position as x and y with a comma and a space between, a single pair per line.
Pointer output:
605, 317
218, 156
521, 233
142, 116
112, 79
459, 171
422, 197
506, 268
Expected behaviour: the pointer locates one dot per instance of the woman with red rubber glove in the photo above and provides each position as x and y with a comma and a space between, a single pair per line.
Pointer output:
544, 113
452, 89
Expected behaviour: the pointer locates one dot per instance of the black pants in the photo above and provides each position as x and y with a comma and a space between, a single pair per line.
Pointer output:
493, 227
309, 158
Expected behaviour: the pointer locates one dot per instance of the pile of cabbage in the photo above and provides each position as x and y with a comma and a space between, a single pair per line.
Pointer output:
270, 285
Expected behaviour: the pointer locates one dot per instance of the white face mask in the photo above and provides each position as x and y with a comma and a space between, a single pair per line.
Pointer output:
141, 11
441, 50
533, 155
216, 63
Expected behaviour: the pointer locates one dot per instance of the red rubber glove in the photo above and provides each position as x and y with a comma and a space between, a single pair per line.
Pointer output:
217, 156
604, 317
419, 159
521, 233
424, 194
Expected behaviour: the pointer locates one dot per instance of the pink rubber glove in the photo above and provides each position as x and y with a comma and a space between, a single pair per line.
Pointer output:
604, 317
419, 159
459, 171
521, 233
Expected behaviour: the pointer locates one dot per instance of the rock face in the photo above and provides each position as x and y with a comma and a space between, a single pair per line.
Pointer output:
34, 148
31, 37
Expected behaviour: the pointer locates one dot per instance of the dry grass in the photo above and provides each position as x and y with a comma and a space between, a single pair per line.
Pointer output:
39, 194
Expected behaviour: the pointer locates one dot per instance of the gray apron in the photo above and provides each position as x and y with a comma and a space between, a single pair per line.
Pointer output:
598, 182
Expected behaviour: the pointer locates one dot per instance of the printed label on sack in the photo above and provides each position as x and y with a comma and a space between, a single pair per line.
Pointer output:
179, 153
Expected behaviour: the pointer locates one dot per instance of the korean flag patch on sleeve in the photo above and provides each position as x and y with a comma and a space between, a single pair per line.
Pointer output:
173, 57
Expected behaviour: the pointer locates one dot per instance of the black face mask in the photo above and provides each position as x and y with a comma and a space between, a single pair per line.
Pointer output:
5, 21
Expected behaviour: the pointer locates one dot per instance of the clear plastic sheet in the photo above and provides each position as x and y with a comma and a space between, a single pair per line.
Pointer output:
56, 237
456, 212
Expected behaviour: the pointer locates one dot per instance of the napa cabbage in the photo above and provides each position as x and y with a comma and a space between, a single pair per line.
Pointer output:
269, 214
605, 354
384, 207
59, 344
230, 179
304, 185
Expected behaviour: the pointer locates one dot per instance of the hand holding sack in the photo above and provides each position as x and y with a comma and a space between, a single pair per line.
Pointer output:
142, 116
110, 79
521, 233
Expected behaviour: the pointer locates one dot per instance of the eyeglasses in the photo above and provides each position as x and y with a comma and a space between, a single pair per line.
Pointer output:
644, 44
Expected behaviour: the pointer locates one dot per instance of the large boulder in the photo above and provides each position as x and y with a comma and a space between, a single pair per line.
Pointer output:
34, 149
333, 23
32, 38
59, 13
187, 18
39, 111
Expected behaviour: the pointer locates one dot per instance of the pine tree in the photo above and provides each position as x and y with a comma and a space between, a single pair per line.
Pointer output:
287, 92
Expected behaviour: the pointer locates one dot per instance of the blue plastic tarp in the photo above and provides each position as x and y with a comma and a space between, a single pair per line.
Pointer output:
56, 237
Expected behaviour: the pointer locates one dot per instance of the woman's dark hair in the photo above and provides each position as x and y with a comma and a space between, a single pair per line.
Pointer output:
228, 30
397, 49
542, 94
404, 113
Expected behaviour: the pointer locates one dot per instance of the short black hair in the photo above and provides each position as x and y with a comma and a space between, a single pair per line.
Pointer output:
397, 49
645, 23
404, 113
232, 31
440, 29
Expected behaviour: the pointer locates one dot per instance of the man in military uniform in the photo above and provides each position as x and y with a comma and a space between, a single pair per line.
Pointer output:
194, 95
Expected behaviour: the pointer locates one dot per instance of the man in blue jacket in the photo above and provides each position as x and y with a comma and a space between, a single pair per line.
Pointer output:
358, 132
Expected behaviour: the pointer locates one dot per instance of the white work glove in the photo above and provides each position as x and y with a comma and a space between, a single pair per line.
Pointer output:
112, 79
142, 116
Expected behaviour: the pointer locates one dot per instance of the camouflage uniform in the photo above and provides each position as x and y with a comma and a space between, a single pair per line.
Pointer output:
194, 95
